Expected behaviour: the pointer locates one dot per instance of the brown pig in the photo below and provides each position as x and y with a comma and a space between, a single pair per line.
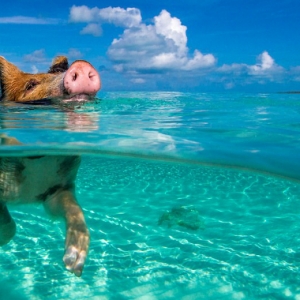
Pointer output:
46, 179
79, 81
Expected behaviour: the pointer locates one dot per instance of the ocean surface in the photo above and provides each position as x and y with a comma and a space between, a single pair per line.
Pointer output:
186, 195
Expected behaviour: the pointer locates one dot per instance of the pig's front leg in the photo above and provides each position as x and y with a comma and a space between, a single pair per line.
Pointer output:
63, 204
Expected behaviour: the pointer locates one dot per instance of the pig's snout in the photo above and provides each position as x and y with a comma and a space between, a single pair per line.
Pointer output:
82, 78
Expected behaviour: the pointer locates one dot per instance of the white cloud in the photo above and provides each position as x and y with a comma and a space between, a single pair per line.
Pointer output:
129, 17
158, 47
74, 54
265, 70
138, 80
27, 20
199, 61
265, 64
38, 56
93, 29
34, 69
295, 73
172, 29
166, 61
83, 14
118, 16
233, 68
265, 67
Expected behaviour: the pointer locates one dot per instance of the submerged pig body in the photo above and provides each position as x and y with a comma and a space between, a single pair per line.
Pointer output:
49, 180
78, 81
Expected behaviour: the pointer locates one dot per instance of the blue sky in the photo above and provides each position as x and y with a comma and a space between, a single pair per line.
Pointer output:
191, 45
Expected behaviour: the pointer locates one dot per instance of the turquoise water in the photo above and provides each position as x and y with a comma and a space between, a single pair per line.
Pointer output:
232, 158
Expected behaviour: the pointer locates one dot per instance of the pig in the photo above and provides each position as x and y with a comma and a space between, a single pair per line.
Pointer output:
80, 81
46, 179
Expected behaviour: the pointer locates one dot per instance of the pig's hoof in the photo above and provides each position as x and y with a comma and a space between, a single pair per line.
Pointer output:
74, 260
76, 250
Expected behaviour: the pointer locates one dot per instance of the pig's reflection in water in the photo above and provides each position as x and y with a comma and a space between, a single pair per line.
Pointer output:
82, 122
49, 180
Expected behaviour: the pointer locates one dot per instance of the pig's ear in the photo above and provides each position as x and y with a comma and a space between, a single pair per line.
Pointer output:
59, 65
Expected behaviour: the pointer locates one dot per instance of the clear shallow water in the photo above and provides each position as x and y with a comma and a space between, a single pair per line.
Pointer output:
242, 177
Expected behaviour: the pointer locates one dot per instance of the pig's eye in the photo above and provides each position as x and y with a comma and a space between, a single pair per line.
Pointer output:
31, 85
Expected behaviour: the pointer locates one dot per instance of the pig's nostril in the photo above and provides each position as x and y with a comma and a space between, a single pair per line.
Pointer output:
91, 76
74, 77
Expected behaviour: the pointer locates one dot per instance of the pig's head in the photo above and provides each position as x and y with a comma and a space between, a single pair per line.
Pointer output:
80, 81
